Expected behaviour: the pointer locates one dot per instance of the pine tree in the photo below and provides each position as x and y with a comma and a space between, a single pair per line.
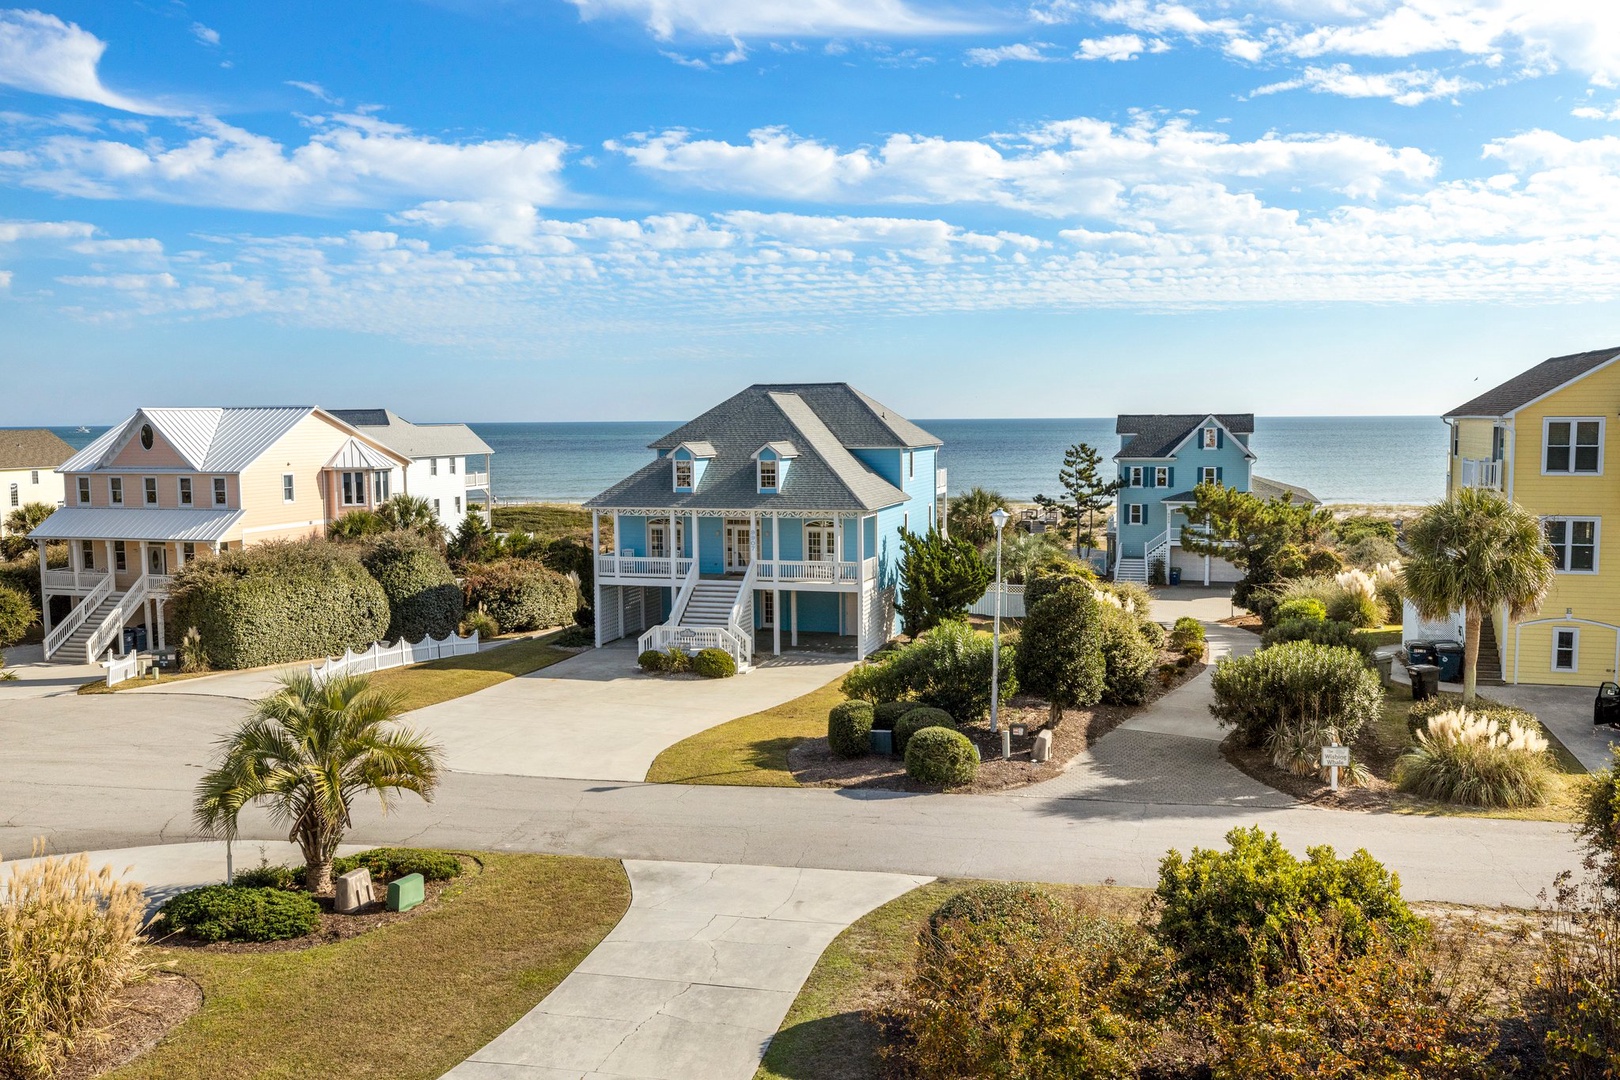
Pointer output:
1085, 494
939, 579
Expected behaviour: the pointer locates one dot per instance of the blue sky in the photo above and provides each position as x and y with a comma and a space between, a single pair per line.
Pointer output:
618, 209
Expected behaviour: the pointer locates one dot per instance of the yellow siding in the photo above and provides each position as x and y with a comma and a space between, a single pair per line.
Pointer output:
1591, 598
1473, 441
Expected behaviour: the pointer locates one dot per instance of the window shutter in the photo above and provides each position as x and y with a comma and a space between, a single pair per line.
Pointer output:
1220, 438
1220, 475
1170, 478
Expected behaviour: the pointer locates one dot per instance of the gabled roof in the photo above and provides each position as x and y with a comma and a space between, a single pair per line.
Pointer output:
1262, 487
781, 448
700, 449
825, 474
354, 454
415, 441
207, 439
32, 448
1150, 435
1532, 385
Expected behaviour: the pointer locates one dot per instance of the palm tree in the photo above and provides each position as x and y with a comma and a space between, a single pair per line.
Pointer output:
22, 521
1477, 551
412, 514
306, 752
969, 516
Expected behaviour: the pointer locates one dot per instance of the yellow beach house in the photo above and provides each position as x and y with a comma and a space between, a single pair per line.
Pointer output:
1542, 439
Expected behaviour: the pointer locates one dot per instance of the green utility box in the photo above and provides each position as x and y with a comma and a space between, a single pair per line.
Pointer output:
406, 892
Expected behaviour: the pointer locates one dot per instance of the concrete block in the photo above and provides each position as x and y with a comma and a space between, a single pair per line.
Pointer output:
1042, 750
354, 891
406, 892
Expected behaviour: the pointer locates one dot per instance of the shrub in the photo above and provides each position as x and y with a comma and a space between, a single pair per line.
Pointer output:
357, 525
1133, 598
193, 657
68, 944
22, 573
1356, 608
1303, 608
521, 594
917, 719
1154, 633
1579, 979
848, 726
677, 660
241, 913
265, 876
714, 664
1369, 551
572, 555
886, 713
653, 661
1599, 824
481, 623
1127, 658
1060, 647
947, 667
1421, 712
1380, 1013
17, 615
386, 863
577, 636
1318, 632
1299, 685
1187, 637
1058, 996
1002, 902
1234, 916
423, 597
940, 755
1477, 760
277, 602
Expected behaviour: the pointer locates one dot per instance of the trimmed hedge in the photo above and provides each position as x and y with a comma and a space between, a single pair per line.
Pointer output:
1328, 686
917, 719
241, 913
423, 597
388, 863
942, 756
1303, 607
278, 602
653, 661
521, 594
17, 614
848, 726
1128, 658
1004, 902
714, 664
269, 877
886, 713
1187, 637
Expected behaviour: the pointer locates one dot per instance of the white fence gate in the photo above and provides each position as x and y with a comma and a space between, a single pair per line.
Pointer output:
1012, 602
381, 656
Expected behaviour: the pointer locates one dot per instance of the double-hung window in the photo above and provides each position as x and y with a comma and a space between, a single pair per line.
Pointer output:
115, 490
287, 487
435, 507
1209, 474
1212, 438
767, 475
683, 476
1566, 649
84, 491
149, 490
87, 554
452, 466
433, 466
219, 491
185, 491
1133, 514
1573, 544
16, 498
33, 477
458, 504
1136, 476
1161, 476
120, 558
1572, 445
379, 485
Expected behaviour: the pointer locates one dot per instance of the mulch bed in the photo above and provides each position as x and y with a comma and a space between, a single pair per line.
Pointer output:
1377, 793
143, 1014
814, 765
334, 927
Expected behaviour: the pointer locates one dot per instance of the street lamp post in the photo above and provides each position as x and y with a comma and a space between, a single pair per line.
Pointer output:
999, 516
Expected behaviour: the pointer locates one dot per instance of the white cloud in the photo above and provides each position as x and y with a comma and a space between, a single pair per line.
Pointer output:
990, 57
315, 90
1591, 112
1179, 20
1411, 87
666, 19
13, 231
42, 54
204, 34
1114, 47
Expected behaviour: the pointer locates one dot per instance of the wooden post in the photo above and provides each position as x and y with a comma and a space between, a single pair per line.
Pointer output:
44, 593
596, 566
794, 597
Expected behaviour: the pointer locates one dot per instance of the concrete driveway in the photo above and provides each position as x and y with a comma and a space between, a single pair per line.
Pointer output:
1210, 604
1567, 712
597, 717
36, 679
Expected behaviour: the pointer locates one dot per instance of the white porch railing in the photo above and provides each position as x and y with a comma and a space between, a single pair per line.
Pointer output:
62, 581
380, 656
158, 585
121, 668
940, 486
688, 587
113, 624
691, 639
1012, 602
643, 566
1481, 473
75, 619
477, 479
804, 571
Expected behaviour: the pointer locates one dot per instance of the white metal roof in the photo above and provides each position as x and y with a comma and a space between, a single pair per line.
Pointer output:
137, 523
354, 454
210, 440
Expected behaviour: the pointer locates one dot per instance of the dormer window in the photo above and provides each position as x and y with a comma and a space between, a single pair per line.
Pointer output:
683, 475
767, 474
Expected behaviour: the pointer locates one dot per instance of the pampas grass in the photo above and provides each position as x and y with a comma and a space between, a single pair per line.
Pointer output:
1477, 760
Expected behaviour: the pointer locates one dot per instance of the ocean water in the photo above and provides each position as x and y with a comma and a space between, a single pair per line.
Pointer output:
1373, 459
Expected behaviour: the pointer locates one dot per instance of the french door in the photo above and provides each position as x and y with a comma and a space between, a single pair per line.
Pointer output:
820, 542
739, 545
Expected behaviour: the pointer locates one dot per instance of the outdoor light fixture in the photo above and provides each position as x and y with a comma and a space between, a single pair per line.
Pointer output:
999, 517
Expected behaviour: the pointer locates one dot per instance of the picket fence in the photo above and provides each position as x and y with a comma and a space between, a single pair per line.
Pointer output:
1012, 602
120, 668
380, 655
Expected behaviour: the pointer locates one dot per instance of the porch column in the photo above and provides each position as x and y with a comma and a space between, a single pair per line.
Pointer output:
1206, 570
44, 593
489, 492
616, 537
146, 605
112, 564
673, 548
75, 557
697, 537
776, 577
794, 596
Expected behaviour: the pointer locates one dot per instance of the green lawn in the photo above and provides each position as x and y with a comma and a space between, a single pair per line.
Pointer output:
407, 1001
751, 750
427, 684
1389, 634
547, 521
827, 1033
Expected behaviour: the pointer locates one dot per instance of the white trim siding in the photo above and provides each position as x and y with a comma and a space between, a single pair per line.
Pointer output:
1574, 428
1575, 543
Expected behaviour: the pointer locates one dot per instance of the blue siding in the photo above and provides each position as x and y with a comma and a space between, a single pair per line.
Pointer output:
1229, 458
632, 535
711, 546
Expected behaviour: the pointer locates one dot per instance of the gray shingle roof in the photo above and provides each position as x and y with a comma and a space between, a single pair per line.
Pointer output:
855, 420
1266, 488
415, 441
824, 475
32, 448
1527, 386
1157, 435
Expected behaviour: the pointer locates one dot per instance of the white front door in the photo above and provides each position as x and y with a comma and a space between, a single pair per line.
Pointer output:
157, 560
739, 545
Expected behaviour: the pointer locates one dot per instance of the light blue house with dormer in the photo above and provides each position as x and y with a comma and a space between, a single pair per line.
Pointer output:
776, 513
1161, 459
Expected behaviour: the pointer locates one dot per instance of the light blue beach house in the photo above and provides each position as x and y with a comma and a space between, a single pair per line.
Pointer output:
776, 513
1161, 459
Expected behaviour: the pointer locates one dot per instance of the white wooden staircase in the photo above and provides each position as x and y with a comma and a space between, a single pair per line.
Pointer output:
710, 613
711, 602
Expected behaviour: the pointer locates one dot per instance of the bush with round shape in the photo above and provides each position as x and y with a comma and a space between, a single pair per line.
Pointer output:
885, 714
1476, 760
1154, 633
423, 597
1233, 917
386, 863
480, 623
266, 876
1128, 659
942, 756
1005, 902
917, 719
17, 615
1318, 632
653, 661
1187, 637
848, 726
1333, 686
241, 913
521, 594
1306, 608
1060, 646
714, 664
1056, 996
277, 602
1599, 826
1356, 608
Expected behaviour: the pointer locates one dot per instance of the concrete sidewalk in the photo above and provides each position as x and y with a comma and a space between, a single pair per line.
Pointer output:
693, 982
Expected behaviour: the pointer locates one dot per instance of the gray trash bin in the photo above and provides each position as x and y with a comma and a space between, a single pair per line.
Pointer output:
1425, 680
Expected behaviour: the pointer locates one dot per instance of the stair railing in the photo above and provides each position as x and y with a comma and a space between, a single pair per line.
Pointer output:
677, 610
76, 618
114, 622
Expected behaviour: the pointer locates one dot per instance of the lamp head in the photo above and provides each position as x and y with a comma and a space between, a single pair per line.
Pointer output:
999, 516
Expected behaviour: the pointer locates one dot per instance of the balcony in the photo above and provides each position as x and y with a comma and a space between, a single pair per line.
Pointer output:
658, 568
1481, 473
814, 576
797, 574
479, 480
941, 488
61, 583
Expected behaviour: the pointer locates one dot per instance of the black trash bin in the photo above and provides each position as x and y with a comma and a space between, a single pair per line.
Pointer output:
1421, 652
1425, 680
1449, 655
1606, 707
